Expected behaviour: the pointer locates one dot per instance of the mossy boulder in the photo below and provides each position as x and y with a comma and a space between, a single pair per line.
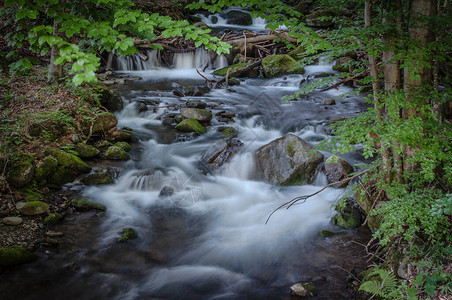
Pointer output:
69, 167
103, 122
53, 219
191, 125
86, 205
124, 146
288, 160
337, 169
97, 179
22, 171
325, 233
235, 67
31, 193
32, 208
46, 168
116, 153
109, 99
127, 234
342, 64
86, 151
122, 136
347, 218
279, 65
14, 255
201, 115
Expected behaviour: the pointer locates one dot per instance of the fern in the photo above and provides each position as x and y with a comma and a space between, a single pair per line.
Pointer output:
384, 284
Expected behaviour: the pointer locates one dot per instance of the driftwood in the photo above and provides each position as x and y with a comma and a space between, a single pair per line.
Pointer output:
262, 38
354, 77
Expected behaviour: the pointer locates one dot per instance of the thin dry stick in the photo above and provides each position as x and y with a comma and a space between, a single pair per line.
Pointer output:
244, 58
306, 197
350, 273
207, 79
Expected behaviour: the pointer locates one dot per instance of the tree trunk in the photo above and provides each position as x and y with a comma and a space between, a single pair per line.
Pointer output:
55, 71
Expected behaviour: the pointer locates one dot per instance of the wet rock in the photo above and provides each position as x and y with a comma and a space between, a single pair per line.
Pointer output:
124, 146
123, 136
12, 221
169, 119
178, 93
116, 153
303, 290
201, 115
348, 217
97, 179
53, 219
14, 255
32, 208
201, 91
142, 107
326, 233
279, 65
238, 17
191, 125
329, 101
196, 104
166, 191
109, 99
127, 234
51, 241
230, 132
86, 205
342, 64
337, 169
323, 75
86, 151
22, 171
220, 153
69, 167
288, 160
201, 25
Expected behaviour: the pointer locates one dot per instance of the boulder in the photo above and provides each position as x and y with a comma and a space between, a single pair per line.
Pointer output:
337, 169
69, 167
86, 151
279, 65
230, 132
201, 115
220, 153
46, 168
32, 208
109, 99
303, 289
191, 125
123, 136
116, 153
124, 146
288, 160
97, 179
22, 171
196, 104
14, 255
53, 219
238, 17
127, 234
86, 205
348, 215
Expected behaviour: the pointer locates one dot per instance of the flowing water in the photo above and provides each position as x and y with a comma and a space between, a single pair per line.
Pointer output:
209, 239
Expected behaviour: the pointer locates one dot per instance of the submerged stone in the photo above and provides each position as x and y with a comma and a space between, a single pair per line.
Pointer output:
14, 255
127, 234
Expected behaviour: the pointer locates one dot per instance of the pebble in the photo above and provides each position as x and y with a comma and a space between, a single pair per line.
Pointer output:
299, 290
51, 241
13, 221
54, 233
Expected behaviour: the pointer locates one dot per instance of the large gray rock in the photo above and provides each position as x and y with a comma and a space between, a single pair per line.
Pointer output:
201, 115
220, 153
337, 169
288, 160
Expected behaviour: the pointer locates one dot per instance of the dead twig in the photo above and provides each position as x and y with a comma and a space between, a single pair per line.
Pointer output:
354, 77
207, 79
306, 197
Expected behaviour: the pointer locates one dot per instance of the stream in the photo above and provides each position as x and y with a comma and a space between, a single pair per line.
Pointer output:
208, 239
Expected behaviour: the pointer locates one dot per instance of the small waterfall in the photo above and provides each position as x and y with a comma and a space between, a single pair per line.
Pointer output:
140, 61
184, 60
320, 179
221, 62
200, 59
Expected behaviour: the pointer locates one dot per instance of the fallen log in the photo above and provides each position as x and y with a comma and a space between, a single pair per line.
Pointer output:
238, 72
354, 77
264, 37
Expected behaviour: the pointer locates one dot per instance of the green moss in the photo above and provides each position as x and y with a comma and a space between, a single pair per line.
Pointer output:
53, 219
86, 151
124, 146
326, 233
191, 125
348, 219
279, 65
233, 68
86, 205
69, 161
31, 194
116, 153
103, 122
127, 234
14, 255
32, 208
310, 288
47, 167
291, 148
230, 132
97, 179
22, 172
